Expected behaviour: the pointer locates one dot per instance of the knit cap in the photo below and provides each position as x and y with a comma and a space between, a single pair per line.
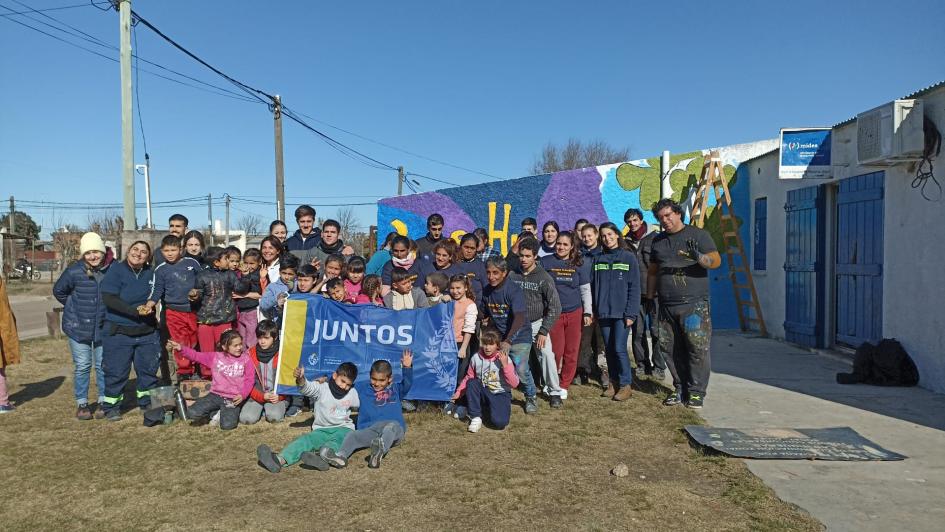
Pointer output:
91, 242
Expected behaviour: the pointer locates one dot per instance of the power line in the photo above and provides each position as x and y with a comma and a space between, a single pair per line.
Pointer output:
252, 91
112, 59
395, 148
98, 42
73, 6
94, 38
431, 179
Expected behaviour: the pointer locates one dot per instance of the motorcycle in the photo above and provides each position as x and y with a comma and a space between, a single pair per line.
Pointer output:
24, 270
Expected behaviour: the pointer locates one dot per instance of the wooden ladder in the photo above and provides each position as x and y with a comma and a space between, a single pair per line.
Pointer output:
739, 271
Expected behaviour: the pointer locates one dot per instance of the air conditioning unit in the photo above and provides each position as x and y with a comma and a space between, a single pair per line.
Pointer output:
890, 134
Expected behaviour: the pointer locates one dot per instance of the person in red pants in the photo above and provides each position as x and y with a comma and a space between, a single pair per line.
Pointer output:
572, 276
217, 312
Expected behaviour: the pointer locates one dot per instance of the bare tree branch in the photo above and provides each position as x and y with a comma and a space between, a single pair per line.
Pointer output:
249, 224
576, 154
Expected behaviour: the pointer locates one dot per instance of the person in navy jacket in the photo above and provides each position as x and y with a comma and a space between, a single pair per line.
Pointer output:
130, 333
616, 295
83, 318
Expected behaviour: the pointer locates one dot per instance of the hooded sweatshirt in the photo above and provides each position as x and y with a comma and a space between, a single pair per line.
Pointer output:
494, 376
232, 376
330, 413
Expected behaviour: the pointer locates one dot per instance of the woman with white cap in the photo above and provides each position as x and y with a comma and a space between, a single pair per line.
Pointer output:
82, 320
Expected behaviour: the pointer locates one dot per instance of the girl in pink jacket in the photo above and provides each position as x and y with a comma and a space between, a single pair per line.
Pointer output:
233, 378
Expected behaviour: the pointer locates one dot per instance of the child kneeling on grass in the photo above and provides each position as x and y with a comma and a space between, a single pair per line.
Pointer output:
233, 377
488, 384
333, 401
380, 419
263, 400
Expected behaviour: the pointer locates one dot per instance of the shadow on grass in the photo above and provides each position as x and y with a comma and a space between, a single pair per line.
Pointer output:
37, 390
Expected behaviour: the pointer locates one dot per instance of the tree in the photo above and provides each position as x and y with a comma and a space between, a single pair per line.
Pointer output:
577, 154
348, 221
249, 224
24, 224
108, 224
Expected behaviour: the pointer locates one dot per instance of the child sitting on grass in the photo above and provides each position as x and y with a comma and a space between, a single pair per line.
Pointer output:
488, 384
380, 420
333, 401
232, 373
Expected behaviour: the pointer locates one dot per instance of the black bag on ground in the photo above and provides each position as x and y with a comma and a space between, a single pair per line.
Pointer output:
886, 364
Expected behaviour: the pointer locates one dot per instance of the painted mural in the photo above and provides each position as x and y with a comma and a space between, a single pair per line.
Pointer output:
599, 194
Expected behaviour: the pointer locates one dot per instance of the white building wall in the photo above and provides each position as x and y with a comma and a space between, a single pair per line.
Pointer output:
913, 249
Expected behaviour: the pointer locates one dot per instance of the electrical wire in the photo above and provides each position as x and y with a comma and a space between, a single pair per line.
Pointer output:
98, 42
433, 179
252, 91
94, 38
112, 59
395, 148
258, 94
73, 6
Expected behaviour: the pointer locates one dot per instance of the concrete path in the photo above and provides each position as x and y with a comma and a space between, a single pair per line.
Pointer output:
765, 383
30, 312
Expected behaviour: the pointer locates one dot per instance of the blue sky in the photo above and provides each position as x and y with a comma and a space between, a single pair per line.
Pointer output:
482, 85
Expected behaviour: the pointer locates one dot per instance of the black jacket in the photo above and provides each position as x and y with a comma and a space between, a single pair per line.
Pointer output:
216, 299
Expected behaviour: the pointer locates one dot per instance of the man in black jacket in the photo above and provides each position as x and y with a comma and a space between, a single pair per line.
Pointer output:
646, 354
434, 234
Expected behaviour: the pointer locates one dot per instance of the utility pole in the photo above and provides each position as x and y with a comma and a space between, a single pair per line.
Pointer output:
400, 180
12, 220
227, 218
210, 219
127, 125
280, 176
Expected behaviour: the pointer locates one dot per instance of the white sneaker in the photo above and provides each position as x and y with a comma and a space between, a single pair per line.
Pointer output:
475, 424
215, 420
563, 394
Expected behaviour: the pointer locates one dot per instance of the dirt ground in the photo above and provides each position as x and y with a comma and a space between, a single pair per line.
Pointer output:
546, 471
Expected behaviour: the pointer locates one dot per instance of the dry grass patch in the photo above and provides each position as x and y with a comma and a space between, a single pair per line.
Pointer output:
546, 471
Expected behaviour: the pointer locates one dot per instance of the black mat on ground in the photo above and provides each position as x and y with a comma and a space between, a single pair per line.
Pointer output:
835, 443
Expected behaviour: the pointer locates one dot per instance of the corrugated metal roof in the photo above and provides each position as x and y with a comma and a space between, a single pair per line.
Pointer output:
917, 94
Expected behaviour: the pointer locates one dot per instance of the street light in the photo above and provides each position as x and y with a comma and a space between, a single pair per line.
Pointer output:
144, 169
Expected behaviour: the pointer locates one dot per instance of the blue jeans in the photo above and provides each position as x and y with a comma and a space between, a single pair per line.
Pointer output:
519, 354
83, 357
615, 333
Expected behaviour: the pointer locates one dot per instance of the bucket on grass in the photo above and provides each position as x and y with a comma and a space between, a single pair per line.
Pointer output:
163, 397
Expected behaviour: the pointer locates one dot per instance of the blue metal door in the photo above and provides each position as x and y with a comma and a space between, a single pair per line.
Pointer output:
860, 259
804, 266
